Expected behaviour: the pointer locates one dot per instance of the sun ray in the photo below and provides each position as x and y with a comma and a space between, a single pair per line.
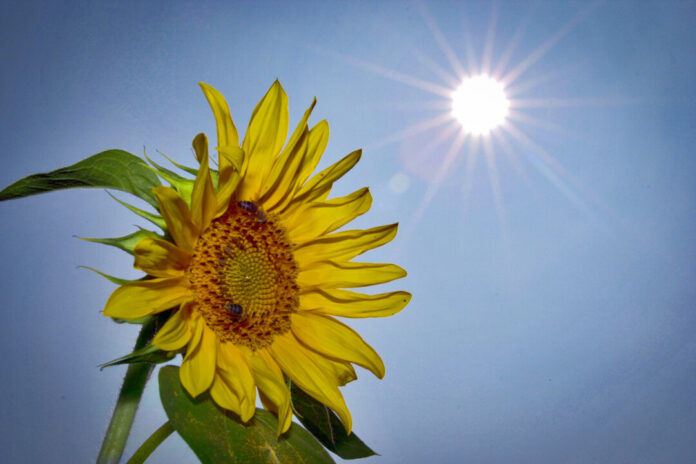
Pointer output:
494, 178
573, 102
544, 48
420, 105
516, 38
490, 38
448, 77
386, 72
445, 167
547, 166
441, 41
541, 124
414, 129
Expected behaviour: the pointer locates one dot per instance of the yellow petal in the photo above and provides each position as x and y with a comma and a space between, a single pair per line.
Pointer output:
198, 367
297, 363
345, 303
177, 216
329, 274
269, 379
235, 158
263, 140
175, 333
224, 395
138, 299
226, 132
334, 339
323, 217
160, 258
318, 139
344, 246
340, 372
281, 183
319, 186
233, 368
203, 198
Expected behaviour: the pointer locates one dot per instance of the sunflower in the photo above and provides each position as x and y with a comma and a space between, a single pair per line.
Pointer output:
255, 271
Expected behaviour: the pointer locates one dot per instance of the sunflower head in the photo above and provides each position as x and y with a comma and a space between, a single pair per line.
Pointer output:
254, 271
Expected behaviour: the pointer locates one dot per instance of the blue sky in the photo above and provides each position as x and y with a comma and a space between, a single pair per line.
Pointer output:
553, 274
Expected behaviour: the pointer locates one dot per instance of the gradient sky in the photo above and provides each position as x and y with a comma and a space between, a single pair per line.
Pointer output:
553, 274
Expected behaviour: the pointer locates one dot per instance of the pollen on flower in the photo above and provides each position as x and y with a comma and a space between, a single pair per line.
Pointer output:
243, 276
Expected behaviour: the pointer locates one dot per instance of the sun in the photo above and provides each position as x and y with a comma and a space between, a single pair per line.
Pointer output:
480, 104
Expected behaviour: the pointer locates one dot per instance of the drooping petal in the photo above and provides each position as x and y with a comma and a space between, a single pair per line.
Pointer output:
138, 299
203, 198
345, 303
323, 217
198, 367
334, 339
269, 379
176, 214
233, 369
176, 332
297, 363
226, 131
160, 258
263, 140
344, 246
329, 274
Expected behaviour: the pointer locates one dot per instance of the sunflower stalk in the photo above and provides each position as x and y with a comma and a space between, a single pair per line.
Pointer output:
128, 401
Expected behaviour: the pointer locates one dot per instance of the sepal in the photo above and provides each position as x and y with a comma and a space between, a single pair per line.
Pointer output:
147, 354
126, 243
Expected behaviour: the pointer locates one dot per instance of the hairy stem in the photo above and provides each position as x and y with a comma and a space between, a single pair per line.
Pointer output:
127, 403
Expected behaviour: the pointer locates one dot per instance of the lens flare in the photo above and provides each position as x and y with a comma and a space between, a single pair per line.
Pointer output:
480, 104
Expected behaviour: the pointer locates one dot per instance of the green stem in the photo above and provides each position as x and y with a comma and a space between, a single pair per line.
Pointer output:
127, 403
151, 443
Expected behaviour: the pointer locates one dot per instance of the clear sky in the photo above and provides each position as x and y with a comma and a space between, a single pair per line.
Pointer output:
552, 264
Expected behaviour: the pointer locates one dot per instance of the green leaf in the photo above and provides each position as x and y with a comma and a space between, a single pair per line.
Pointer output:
115, 169
326, 426
127, 242
146, 354
218, 437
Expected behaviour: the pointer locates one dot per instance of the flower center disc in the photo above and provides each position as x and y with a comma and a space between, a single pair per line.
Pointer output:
244, 277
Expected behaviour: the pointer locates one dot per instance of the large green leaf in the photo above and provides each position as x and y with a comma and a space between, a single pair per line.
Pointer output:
327, 427
115, 169
218, 437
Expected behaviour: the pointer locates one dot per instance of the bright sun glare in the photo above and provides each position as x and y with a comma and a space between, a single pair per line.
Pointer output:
480, 104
